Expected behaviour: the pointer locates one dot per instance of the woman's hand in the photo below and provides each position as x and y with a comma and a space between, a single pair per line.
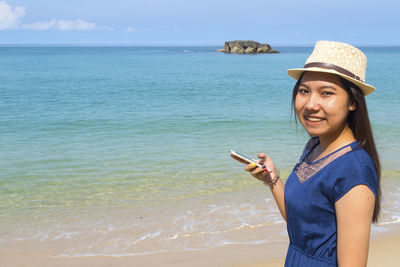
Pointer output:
263, 174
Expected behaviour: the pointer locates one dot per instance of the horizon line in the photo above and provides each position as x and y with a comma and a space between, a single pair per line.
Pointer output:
171, 45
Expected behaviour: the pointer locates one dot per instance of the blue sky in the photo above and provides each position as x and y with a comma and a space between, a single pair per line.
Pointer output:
205, 22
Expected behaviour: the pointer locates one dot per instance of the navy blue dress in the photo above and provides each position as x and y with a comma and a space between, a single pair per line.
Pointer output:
310, 195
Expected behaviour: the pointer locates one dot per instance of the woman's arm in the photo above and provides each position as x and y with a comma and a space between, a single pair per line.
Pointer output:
278, 189
354, 217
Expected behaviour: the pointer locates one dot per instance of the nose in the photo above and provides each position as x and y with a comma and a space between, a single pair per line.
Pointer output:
313, 103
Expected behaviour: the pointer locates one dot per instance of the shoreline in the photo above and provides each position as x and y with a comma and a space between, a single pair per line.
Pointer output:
383, 252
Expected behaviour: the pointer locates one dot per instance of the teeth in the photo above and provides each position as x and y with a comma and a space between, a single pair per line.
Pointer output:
313, 119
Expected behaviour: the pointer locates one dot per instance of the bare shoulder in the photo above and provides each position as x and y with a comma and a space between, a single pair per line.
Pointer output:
359, 194
357, 205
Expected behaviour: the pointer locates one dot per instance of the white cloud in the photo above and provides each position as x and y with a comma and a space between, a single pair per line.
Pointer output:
75, 25
10, 17
40, 25
62, 25
131, 29
134, 29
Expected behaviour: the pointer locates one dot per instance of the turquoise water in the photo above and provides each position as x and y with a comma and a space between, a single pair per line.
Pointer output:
100, 143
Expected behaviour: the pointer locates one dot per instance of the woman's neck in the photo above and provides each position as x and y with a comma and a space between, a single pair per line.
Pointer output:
331, 143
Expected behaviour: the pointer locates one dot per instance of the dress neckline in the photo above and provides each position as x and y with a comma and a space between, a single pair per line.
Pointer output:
315, 144
305, 169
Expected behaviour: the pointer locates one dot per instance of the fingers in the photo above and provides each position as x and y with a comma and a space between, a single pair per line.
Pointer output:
263, 173
257, 172
250, 167
263, 158
261, 155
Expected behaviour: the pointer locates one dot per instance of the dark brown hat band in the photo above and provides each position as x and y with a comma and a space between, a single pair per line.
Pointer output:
332, 67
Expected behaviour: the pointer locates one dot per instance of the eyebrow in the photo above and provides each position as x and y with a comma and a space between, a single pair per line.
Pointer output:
322, 87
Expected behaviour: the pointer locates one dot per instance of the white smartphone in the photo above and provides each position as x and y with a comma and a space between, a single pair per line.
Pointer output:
246, 160
242, 158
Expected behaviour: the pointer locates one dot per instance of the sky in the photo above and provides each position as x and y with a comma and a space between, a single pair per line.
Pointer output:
200, 22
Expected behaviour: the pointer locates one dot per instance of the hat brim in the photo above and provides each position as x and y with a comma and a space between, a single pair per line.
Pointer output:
365, 88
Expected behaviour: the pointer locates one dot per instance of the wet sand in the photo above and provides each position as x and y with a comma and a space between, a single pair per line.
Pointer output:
383, 252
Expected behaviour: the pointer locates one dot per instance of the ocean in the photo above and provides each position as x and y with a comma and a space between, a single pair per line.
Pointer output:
125, 150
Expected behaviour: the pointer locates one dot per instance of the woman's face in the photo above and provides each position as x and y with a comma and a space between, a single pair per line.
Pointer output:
322, 104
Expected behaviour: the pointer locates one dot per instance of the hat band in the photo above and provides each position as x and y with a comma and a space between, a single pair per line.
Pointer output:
332, 67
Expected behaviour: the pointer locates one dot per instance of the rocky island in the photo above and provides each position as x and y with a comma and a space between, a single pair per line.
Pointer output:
246, 47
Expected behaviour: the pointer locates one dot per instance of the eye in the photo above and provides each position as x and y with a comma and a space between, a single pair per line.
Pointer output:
327, 93
303, 91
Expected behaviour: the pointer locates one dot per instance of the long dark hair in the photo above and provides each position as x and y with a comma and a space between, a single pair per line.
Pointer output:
358, 122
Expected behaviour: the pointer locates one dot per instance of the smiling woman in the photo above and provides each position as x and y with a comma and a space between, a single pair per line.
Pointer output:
333, 193
322, 106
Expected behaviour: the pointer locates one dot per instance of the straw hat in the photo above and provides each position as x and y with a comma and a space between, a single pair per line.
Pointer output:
338, 58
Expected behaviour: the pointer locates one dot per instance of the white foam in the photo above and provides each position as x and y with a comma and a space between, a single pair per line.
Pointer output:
245, 243
395, 219
378, 229
117, 255
67, 235
146, 236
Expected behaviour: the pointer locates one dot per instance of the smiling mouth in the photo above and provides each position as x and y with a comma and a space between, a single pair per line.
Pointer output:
313, 119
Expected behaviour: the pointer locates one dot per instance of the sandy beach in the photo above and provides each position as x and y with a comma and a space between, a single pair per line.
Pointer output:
383, 252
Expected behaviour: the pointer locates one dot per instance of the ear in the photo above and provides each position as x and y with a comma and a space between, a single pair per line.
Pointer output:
352, 106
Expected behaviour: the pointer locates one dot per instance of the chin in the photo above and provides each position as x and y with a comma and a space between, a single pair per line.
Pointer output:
313, 133
316, 131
